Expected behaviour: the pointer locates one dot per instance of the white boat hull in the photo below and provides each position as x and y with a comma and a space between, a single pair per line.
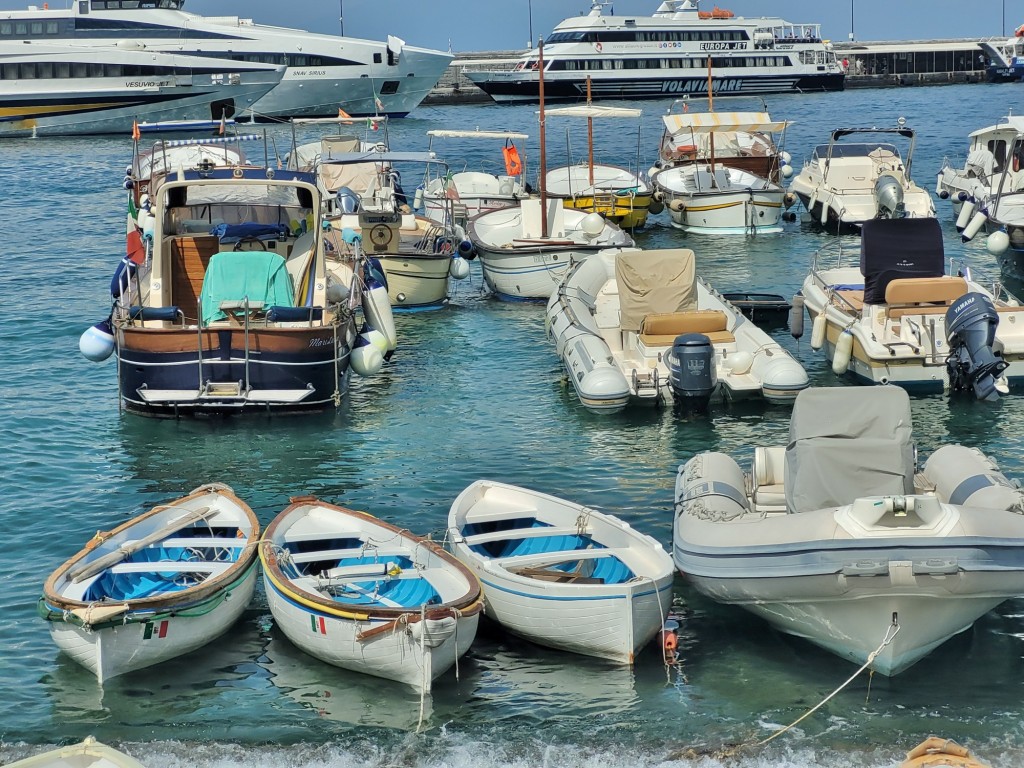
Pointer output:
610, 616
416, 281
740, 213
117, 650
406, 655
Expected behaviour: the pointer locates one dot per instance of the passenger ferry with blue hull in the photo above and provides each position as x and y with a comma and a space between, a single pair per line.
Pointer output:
668, 55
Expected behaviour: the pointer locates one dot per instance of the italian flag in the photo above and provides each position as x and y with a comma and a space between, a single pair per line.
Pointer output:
157, 631
318, 625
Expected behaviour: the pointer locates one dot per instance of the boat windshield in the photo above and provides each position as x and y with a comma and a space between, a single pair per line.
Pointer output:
853, 150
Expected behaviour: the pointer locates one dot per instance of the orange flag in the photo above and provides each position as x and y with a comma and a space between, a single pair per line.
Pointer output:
342, 113
223, 124
136, 133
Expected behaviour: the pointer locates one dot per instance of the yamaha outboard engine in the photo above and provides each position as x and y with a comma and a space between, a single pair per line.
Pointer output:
691, 371
971, 329
348, 201
889, 198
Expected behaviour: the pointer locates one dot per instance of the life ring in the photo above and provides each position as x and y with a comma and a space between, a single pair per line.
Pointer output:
598, 47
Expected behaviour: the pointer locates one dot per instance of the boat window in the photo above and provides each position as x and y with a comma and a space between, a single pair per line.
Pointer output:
52, 28
44, 70
79, 69
389, 87
83, 7
62, 69
9, 71
6, 29
113, 70
998, 150
378, 58
27, 71
21, 29
95, 69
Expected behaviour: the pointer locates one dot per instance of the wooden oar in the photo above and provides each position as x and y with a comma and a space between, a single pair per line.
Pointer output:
113, 558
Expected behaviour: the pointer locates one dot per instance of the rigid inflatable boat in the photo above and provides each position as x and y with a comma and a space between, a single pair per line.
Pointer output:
837, 538
640, 326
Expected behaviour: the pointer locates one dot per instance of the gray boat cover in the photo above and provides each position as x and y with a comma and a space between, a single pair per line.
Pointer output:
656, 281
846, 443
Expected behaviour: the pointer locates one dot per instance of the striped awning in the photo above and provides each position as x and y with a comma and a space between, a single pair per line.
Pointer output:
712, 122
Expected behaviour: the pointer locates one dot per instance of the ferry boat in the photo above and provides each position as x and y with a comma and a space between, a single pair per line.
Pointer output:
667, 55
1005, 58
324, 72
48, 90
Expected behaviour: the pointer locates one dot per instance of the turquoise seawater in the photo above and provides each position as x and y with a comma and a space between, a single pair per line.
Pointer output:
474, 391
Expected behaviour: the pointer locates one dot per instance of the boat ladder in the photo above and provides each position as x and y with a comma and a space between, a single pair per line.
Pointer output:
646, 384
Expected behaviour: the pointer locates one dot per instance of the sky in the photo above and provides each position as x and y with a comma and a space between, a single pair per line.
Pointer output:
479, 25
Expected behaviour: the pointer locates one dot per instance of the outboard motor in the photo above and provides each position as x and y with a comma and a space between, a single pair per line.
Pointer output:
971, 329
691, 371
889, 198
348, 201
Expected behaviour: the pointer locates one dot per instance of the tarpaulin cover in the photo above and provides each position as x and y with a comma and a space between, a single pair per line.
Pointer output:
655, 281
899, 248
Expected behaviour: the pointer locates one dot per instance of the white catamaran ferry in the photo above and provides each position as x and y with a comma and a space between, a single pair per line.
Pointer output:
323, 72
667, 54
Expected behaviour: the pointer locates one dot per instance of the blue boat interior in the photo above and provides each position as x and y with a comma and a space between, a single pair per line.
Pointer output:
607, 570
119, 584
388, 591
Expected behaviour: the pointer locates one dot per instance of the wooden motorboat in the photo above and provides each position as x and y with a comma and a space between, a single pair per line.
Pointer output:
365, 595
561, 574
159, 586
840, 538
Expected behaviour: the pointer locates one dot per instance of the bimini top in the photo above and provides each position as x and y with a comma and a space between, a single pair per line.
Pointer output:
654, 281
899, 248
594, 110
846, 443
714, 122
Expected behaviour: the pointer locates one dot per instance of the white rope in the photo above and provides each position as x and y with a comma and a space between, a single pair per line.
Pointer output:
890, 633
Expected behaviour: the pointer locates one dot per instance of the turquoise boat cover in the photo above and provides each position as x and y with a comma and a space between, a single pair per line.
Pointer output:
237, 275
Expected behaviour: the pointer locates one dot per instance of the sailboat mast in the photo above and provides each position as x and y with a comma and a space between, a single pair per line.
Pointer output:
590, 138
711, 135
543, 143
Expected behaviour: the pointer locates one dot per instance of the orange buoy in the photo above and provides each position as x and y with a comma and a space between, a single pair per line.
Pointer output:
721, 13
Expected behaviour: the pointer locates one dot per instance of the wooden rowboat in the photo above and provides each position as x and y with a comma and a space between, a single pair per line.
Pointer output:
88, 754
156, 587
560, 574
364, 595
935, 752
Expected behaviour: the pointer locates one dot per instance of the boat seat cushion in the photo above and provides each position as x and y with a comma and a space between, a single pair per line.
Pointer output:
851, 299
661, 329
925, 290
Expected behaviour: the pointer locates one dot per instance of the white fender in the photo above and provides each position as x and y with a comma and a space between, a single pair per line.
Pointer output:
844, 351
977, 222
378, 314
818, 328
997, 242
966, 211
710, 486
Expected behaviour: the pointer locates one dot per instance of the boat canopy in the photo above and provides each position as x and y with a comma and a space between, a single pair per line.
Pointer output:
846, 443
477, 134
374, 156
907, 133
713, 122
593, 110
1012, 125
663, 280
892, 249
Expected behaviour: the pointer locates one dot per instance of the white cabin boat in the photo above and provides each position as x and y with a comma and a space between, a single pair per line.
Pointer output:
898, 317
323, 72
993, 150
845, 183
840, 539
561, 574
640, 326
50, 90
665, 56
365, 595
454, 198
157, 587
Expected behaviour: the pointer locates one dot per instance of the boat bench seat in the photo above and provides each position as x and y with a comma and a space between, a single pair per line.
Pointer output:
185, 566
924, 290
768, 474
661, 329
525, 533
341, 554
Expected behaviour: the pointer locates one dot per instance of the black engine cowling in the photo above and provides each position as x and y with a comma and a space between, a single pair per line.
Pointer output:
971, 330
691, 371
